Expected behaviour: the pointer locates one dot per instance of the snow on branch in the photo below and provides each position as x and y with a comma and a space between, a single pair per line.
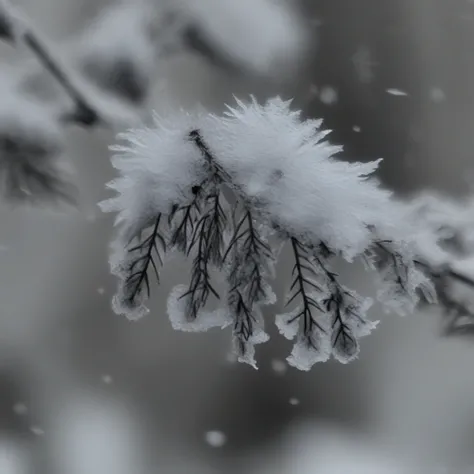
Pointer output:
31, 152
120, 52
10, 26
20, 31
288, 184
445, 252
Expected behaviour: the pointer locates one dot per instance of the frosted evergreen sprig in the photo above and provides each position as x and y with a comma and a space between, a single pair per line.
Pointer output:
285, 183
445, 250
206, 244
250, 263
143, 255
331, 317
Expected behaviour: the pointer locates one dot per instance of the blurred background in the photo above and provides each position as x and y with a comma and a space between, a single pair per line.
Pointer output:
85, 391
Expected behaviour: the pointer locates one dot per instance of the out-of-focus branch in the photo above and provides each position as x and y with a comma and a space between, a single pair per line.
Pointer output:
84, 114
448, 272
459, 315
14, 29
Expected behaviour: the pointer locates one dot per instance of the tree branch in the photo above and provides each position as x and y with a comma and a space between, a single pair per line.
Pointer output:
456, 311
14, 29
85, 114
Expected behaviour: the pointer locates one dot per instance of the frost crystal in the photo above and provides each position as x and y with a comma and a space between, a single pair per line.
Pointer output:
402, 281
179, 316
227, 192
295, 180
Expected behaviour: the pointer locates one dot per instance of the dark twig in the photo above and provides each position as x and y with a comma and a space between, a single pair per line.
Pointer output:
202, 230
250, 255
218, 172
84, 114
142, 258
299, 287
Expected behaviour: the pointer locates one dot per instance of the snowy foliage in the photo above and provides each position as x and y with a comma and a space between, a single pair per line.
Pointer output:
286, 185
445, 249
31, 146
228, 191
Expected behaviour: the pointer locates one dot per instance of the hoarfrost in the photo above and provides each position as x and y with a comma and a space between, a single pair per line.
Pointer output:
177, 312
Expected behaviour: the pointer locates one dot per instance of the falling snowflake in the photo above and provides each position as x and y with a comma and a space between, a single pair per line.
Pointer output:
101, 291
356, 128
397, 92
37, 431
294, 401
437, 95
216, 439
107, 379
328, 95
279, 366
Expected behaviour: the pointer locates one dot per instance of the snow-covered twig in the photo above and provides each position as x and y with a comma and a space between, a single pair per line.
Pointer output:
445, 245
20, 31
31, 150
84, 113
459, 314
288, 185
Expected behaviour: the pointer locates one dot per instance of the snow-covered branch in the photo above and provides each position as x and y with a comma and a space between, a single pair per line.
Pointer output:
285, 180
31, 151
287, 185
445, 252
19, 31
